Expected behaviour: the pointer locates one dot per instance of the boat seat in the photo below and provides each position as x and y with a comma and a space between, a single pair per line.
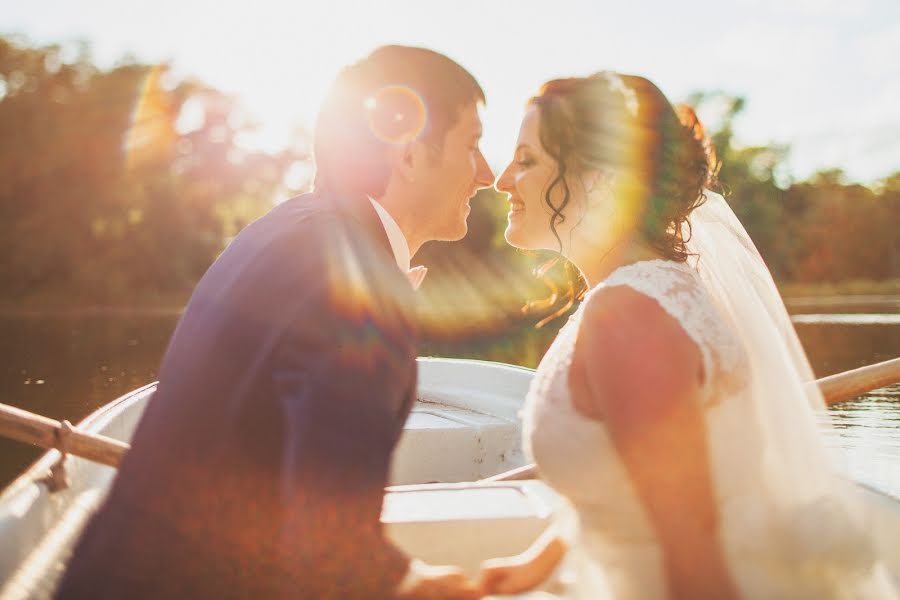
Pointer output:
464, 524
444, 443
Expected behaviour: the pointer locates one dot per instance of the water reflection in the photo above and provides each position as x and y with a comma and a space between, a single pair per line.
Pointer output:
82, 362
866, 438
835, 347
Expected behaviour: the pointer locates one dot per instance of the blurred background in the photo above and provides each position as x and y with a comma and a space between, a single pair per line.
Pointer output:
137, 138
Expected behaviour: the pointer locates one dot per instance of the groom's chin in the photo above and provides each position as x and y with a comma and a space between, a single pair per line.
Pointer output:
456, 233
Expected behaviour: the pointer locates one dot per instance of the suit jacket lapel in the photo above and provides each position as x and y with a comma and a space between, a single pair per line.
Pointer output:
360, 209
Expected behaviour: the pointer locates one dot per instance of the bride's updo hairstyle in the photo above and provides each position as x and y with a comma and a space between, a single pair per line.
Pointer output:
623, 125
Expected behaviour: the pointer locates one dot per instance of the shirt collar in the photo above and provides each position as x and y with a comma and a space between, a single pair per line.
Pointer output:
399, 245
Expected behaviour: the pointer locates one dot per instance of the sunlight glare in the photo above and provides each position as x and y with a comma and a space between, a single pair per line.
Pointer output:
191, 118
396, 114
151, 133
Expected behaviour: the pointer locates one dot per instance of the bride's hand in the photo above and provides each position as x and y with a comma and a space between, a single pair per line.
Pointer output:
437, 582
513, 574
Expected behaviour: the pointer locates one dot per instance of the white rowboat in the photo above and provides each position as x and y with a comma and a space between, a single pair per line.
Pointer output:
465, 427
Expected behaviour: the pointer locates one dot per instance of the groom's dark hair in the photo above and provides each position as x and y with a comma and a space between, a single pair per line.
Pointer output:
395, 94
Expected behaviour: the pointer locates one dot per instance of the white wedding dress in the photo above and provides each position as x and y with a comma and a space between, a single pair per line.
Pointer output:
773, 551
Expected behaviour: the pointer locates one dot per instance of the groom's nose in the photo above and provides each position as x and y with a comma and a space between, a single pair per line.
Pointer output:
484, 177
503, 183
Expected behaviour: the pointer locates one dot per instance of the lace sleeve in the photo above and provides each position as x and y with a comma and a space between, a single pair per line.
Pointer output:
679, 292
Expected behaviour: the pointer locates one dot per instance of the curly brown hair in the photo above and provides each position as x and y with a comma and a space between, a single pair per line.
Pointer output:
613, 122
624, 124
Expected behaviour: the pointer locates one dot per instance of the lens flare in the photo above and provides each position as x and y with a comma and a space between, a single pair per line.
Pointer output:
396, 114
375, 334
151, 134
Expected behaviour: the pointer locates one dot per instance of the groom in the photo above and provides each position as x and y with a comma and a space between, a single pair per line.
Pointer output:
258, 468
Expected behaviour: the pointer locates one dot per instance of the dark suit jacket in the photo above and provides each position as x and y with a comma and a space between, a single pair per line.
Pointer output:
258, 468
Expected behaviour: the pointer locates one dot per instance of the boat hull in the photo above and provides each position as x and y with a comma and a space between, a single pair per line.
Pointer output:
465, 427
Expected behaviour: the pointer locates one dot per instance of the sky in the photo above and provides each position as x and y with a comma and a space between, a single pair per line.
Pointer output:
822, 76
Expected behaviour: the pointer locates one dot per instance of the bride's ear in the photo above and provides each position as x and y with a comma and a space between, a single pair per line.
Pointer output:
598, 183
590, 180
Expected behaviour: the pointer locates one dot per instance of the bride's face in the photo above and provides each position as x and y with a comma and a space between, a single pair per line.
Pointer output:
526, 180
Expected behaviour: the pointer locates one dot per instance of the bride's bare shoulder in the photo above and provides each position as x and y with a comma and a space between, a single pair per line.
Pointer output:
630, 348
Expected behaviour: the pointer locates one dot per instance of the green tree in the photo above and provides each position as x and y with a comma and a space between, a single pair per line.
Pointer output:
106, 196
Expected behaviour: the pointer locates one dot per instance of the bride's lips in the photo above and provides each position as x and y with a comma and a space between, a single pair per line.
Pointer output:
516, 206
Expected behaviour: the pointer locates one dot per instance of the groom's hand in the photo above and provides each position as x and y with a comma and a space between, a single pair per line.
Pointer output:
429, 582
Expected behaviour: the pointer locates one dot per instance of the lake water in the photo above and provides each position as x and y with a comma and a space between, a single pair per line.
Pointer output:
65, 366
865, 436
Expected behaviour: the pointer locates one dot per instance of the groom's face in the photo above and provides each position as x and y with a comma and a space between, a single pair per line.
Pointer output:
452, 177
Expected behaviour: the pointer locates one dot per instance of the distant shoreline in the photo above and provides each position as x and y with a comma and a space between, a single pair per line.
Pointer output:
853, 288
89, 311
48, 306
845, 300
796, 295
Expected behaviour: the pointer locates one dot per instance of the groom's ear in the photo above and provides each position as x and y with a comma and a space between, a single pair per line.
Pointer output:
409, 159
400, 162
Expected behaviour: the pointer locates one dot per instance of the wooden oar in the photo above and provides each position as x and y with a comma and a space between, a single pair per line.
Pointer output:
850, 384
40, 431
835, 388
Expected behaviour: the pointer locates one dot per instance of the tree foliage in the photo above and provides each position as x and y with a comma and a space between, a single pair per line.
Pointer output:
125, 183
106, 194
816, 231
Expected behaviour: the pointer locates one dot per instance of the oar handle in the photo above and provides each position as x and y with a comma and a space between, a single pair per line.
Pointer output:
47, 433
835, 388
850, 384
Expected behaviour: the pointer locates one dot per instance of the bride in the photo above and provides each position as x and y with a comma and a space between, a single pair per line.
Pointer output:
674, 410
